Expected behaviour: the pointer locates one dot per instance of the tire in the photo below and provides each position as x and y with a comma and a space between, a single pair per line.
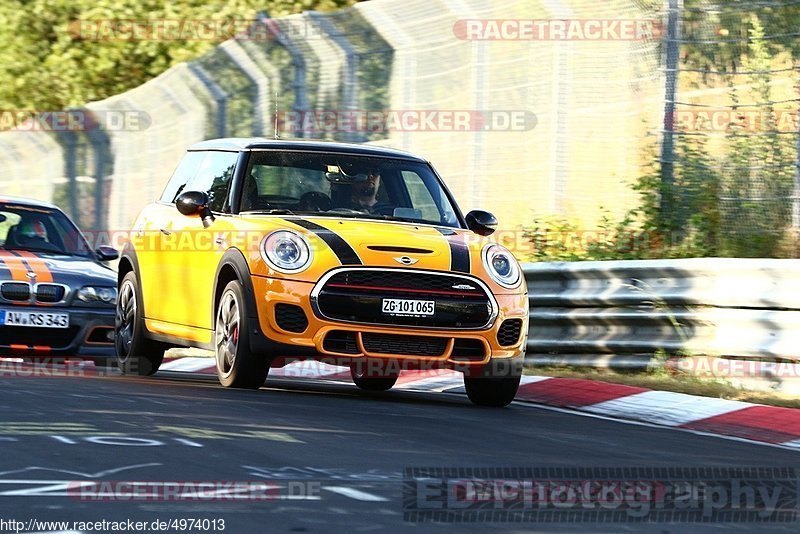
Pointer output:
495, 385
136, 354
237, 366
370, 379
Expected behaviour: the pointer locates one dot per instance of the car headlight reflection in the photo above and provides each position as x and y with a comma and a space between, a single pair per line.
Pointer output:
107, 295
501, 266
286, 251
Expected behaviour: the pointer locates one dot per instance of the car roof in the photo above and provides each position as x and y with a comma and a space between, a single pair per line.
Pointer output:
6, 199
261, 143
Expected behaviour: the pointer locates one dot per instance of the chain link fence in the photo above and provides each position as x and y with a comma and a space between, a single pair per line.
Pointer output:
559, 121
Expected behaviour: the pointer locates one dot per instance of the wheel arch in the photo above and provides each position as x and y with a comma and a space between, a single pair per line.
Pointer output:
233, 266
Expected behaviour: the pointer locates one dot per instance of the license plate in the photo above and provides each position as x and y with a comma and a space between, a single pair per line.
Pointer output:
416, 308
34, 319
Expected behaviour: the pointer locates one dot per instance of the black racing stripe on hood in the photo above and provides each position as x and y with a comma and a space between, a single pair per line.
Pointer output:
459, 251
340, 247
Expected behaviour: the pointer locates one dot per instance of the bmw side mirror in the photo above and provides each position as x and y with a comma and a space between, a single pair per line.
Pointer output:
192, 203
106, 253
481, 222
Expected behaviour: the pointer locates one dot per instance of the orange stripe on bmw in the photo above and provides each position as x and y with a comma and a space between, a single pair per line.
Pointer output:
37, 265
14, 265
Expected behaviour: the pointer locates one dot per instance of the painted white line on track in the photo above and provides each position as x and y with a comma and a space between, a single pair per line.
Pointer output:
188, 364
529, 405
355, 494
666, 407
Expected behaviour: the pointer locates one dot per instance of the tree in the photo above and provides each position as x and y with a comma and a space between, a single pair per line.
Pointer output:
48, 62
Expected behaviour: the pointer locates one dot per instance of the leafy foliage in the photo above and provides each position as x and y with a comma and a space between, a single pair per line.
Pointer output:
48, 63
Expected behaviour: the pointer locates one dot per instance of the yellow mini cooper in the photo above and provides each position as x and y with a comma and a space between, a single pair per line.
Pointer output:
268, 252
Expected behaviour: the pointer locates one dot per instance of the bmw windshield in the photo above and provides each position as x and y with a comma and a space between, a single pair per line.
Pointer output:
39, 229
345, 186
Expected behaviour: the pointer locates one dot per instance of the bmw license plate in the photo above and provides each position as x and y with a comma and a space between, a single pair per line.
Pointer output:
34, 319
414, 308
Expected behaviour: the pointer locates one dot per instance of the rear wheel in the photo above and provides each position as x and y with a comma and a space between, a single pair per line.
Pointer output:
136, 354
494, 385
373, 376
237, 366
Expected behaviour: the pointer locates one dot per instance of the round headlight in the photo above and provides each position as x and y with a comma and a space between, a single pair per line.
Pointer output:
286, 251
501, 266
107, 295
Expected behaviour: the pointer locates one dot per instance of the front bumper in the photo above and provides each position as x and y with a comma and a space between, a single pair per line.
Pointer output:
84, 338
364, 338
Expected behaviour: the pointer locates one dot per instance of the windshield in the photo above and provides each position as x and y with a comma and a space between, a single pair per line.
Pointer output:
39, 229
345, 186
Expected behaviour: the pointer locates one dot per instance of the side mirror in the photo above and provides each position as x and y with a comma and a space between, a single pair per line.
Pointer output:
481, 222
191, 203
106, 253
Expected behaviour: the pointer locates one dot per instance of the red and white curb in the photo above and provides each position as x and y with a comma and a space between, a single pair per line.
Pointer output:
767, 424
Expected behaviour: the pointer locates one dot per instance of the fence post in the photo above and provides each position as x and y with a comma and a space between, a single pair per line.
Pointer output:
239, 56
69, 140
796, 192
219, 95
350, 86
100, 146
299, 63
673, 35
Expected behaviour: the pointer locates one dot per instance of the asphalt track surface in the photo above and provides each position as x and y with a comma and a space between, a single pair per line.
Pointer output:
342, 450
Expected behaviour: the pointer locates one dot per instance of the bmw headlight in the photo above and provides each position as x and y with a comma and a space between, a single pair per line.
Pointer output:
107, 295
286, 251
501, 266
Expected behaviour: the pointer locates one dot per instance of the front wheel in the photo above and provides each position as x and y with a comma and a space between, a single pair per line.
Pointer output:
495, 385
136, 354
375, 377
237, 366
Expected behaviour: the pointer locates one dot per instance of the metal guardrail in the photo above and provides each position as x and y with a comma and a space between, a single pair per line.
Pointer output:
615, 313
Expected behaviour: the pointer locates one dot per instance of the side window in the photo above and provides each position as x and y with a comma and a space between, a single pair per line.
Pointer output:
214, 177
185, 171
421, 197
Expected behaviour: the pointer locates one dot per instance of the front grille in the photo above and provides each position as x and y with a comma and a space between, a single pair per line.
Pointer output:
17, 291
49, 293
400, 344
356, 295
53, 337
509, 332
341, 341
290, 317
468, 350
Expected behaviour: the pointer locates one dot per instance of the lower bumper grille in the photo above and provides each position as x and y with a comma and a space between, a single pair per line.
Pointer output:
342, 342
290, 317
52, 337
400, 344
468, 350
509, 332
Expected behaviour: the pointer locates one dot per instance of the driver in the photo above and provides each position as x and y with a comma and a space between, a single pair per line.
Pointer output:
364, 195
31, 232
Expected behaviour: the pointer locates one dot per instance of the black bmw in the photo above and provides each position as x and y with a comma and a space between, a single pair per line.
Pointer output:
57, 296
